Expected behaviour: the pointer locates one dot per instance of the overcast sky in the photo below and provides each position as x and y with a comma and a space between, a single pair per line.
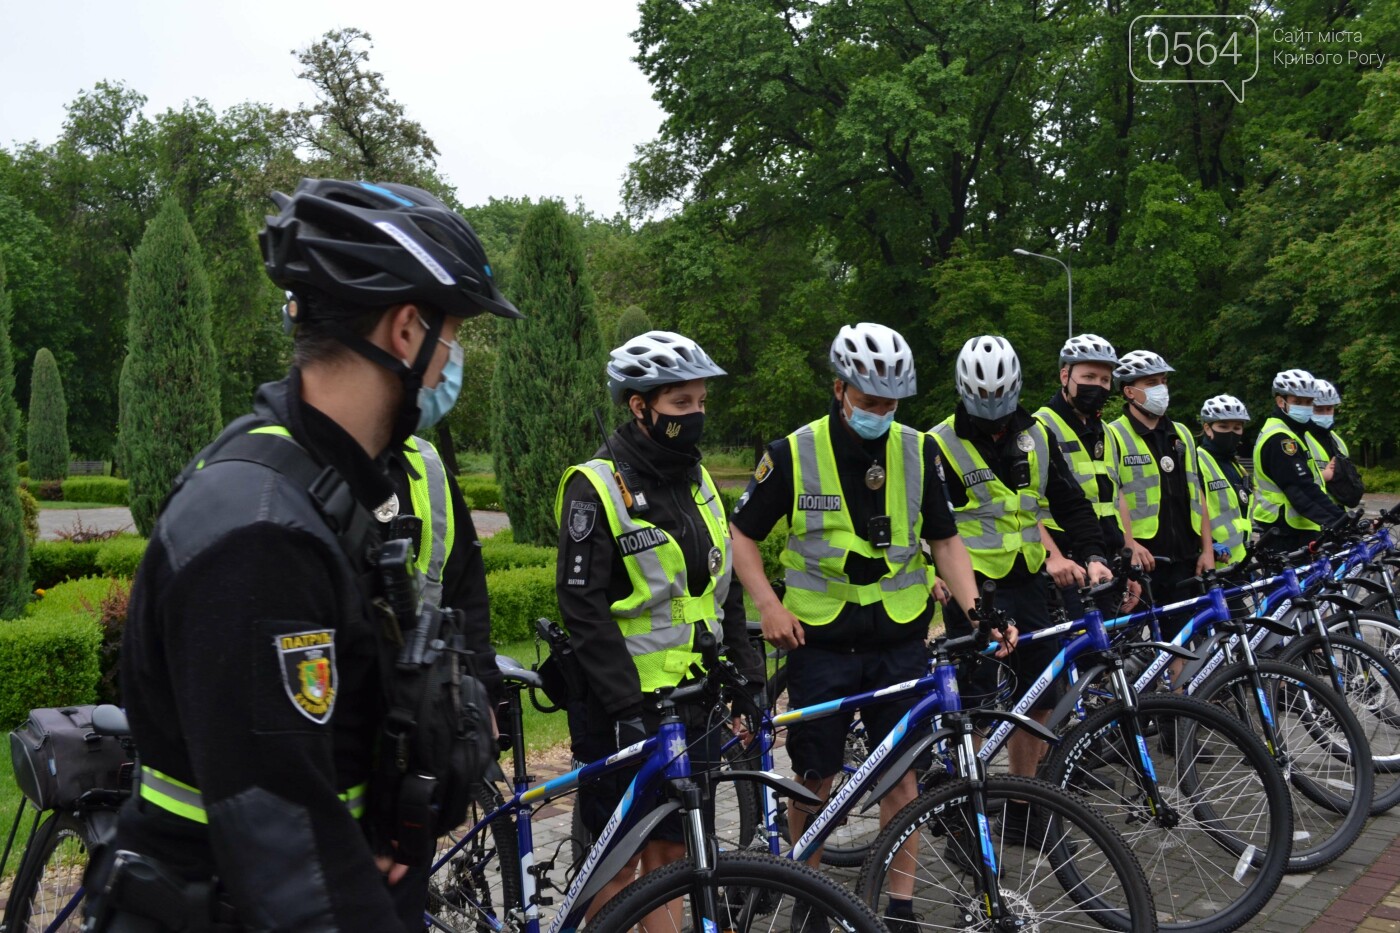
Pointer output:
524, 97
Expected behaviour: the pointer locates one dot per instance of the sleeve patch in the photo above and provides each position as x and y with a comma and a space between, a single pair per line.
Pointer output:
764, 468
308, 672
1289, 447
583, 516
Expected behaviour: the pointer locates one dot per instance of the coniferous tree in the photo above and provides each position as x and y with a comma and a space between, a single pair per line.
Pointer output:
14, 549
171, 405
549, 376
634, 321
48, 420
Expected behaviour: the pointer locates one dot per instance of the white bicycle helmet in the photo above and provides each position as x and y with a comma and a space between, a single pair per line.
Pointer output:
1327, 393
1088, 348
656, 358
989, 377
1298, 382
875, 359
1223, 408
1139, 363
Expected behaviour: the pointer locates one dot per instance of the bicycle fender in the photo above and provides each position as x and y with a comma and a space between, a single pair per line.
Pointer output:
622, 853
895, 772
1024, 722
1365, 583
1065, 708
776, 781
1340, 601
1176, 651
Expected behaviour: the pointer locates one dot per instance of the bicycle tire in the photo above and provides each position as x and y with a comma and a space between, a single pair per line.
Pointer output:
751, 885
1322, 750
1372, 691
1051, 889
1379, 627
1224, 791
457, 888
48, 883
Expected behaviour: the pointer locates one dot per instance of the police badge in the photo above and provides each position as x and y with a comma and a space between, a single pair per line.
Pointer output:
1098, 450
582, 517
1168, 464
1024, 442
388, 509
716, 561
308, 672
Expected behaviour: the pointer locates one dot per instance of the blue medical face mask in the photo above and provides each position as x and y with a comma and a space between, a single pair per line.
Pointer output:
867, 425
1324, 421
435, 403
1301, 413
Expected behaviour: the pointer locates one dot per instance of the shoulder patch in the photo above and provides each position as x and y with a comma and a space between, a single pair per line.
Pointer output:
308, 672
764, 468
938, 465
583, 516
1290, 447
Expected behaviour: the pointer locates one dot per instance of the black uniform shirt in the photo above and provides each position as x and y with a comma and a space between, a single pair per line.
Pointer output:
210, 695
1175, 538
1229, 465
770, 498
591, 575
1089, 433
1070, 509
1291, 474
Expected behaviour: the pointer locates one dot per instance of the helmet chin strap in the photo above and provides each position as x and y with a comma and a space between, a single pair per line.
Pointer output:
410, 375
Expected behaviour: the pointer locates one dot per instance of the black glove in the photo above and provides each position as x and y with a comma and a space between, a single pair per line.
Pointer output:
630, 731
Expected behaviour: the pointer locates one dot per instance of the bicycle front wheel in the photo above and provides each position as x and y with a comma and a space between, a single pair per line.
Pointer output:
1320, 749
48, 891
753, 891
1066, 869
1216, 842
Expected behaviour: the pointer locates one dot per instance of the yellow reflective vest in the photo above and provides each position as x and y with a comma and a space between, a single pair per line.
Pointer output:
1139, 477
1228, 509
1086, 468
1269, 499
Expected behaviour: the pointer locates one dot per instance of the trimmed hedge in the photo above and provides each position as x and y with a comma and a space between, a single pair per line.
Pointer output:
30, 506
107, 489
52, 562
507, 554
121, 556
519, 596
47, 662
70, 597
772, 546
481, 493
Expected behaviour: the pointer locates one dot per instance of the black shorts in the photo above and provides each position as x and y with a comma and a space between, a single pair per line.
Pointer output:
815, 675
1027, 603
594, 738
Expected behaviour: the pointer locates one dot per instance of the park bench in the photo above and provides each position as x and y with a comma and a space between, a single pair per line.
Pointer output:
87, 468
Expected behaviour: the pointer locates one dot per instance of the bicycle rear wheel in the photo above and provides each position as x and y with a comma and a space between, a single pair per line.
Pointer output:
48, 890
1068, 870
754, 891
482, 882
1216, 851
1321, 750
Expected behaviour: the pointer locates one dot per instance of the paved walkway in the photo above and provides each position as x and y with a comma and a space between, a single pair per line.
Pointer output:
52, 521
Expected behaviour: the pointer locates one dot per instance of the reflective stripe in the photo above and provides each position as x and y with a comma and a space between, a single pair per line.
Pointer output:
432, 502
823, 535
1140, 482
181, 799
658, 617
1229, 523
998, 523
1269, 499
1082, 464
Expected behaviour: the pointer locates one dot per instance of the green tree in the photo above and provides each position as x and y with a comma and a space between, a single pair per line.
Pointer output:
172, 405
633, 321
48, 420
550, 375
14, 549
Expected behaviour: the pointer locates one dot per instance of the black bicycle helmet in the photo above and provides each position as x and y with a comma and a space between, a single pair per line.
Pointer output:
375, 245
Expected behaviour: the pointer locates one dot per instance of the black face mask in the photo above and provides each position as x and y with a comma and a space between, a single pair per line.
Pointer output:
1089, 399
1226, 442
991, 426
680, 433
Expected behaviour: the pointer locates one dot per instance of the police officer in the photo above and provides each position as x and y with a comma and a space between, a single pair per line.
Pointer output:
1326, 445
1073, 418
859, 490
1003, 476
1159, 481
1290, 498
1225, 484
251, 658
643, 571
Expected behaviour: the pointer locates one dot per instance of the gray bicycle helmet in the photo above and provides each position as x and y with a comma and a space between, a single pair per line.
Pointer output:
1327, 393
1137, 364
1223, 408
656, 358
1296, 382
1088, 348
875, 359
988, 377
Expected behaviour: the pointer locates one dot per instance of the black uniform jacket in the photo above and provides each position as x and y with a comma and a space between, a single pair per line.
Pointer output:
1070, 509
1291, 474
591, 575
239, 576
770, 498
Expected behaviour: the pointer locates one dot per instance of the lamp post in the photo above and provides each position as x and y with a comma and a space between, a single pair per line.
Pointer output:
1068, 275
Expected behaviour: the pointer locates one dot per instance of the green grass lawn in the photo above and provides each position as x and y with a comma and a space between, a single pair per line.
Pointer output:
542, 730
46, 506
10, 800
